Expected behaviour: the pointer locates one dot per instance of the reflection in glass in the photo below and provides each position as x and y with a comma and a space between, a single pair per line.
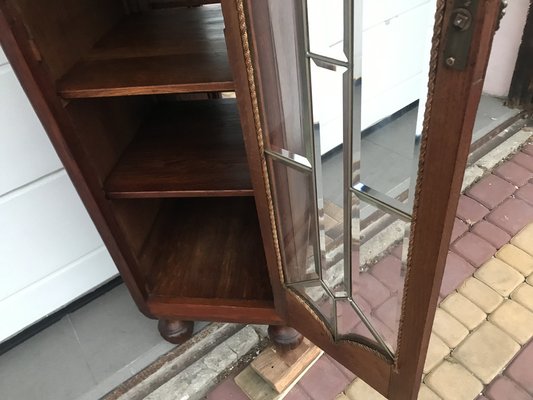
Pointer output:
344, 129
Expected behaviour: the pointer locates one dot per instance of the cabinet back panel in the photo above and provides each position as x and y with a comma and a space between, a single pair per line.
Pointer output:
106, 126
64, 30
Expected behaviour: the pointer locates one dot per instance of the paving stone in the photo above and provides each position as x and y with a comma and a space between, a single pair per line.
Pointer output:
514, 319
227, 390
524, 239
459, 228
480, 294
486, 351
389, 272
342, 396
389, 312
358, 390
437, 350
243, 341
491, 233
426, 393
451, 331
530, 280
499, 276
513, 173
317, 387
491, 191
371, 289
516, 258
520, 369
470, 210
474, 249
512, 215
296, 393
349, 374
452, 381
463, 310
526, 193
523, 159
523, 294
505, 389
528, 149
455, 272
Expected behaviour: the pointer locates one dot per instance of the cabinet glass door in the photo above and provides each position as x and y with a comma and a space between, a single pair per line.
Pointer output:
366, 132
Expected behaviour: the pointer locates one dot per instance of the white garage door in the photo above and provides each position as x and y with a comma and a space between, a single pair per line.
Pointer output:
50, 252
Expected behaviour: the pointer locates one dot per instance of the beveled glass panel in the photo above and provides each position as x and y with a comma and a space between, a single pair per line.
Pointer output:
319, 298
327, 98
288, 105
390, 98
359, 74
379, 244
296, 220
326, 28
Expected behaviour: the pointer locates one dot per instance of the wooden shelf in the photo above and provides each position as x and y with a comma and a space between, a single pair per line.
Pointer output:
185, 149
207, 255
178, 50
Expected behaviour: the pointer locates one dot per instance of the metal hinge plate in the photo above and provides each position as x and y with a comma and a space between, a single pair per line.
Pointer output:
459, 36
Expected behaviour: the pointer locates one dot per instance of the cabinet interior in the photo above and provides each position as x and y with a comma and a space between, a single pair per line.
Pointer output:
141, 84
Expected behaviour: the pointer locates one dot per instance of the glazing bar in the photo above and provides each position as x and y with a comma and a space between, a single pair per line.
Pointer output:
381, 201
291, 159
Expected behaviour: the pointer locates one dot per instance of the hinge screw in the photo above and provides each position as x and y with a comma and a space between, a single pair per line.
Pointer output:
450, 61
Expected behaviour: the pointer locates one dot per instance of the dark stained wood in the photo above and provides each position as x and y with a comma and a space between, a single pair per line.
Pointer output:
521, 90
242, 90
207, 248
175, 331
284, 338
64, 31
38, 83
185, 149
177, 50
238, 311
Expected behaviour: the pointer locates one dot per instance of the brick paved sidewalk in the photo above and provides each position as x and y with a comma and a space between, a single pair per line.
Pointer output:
485, 319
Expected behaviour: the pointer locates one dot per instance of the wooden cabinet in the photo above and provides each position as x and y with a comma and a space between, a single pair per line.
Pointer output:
159, 157
214, 206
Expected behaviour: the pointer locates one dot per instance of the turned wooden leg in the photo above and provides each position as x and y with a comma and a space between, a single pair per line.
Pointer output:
175, 331
284, 338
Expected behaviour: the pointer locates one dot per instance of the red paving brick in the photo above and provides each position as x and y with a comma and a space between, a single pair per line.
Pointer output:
227, 390
297, 393
474, 249
315, 384
512, 215
372, 290
349, 374
389, 312
526, 193
470, 210
528, 149
521, 369
491, 233
459, 227
513, 173
503, 388
388, 271
523, 159
491, 191
455, 272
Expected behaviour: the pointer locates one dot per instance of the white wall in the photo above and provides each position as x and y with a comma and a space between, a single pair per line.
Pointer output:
505, 49
50, 251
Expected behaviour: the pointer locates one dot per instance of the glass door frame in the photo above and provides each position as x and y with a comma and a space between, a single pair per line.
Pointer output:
450, 113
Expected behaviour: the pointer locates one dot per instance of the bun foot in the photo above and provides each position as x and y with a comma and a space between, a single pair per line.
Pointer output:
175, 331
284, 338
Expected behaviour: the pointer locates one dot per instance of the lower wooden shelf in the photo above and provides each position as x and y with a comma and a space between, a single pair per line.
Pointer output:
204, 258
